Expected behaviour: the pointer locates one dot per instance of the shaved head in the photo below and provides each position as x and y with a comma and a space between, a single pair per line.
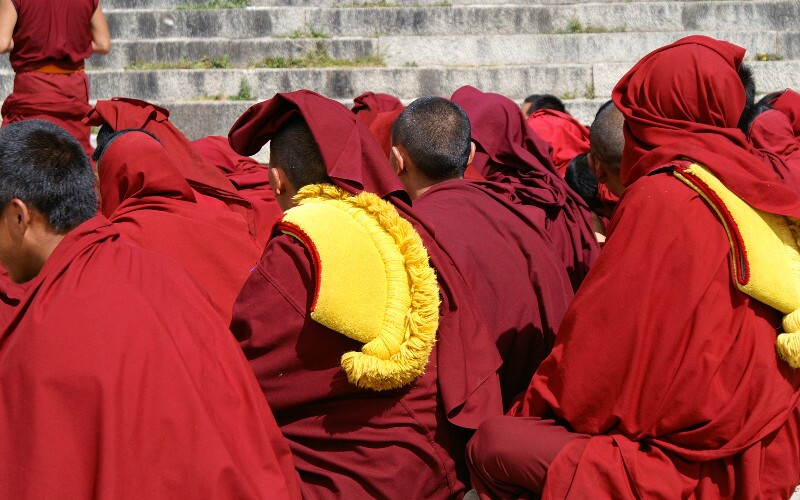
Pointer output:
294, 150
436, 134
606, 137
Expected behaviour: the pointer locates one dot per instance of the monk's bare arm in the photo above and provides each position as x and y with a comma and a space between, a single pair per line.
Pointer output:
8, 19
101, 38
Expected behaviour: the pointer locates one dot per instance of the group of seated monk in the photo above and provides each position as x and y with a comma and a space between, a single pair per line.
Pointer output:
454, 298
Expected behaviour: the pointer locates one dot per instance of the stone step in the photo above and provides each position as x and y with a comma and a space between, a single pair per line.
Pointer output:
222, 52
337, 83
566, 81
457, 20
404, 51
574, 48
205, 4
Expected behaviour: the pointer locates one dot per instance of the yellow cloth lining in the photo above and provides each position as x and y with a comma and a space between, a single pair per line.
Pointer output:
765, 257
374, 282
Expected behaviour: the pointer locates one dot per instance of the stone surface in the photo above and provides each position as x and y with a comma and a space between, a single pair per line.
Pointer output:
455, 20
576, 50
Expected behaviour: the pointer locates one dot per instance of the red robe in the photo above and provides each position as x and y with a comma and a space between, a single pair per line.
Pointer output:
519, 281
211, 186
508, 151
349, 442
117, 380
247, 175
567, 136
670, 368
771, 133
789, 104
368, 105
381, 128
149, 202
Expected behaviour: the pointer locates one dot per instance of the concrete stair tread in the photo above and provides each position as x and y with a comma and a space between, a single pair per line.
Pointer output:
485, 19
566, 81
171, 4
440, 50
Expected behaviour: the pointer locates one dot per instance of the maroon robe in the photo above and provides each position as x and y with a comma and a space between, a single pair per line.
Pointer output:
368, 105
118, 380
148, 200
247, 175
669, 368
52, 38
350, 442
508, 151
212, 188
516, 275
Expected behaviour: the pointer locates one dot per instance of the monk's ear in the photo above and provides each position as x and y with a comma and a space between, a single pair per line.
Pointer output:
17, 218
396, 159
471, 153
276, 180
597, 167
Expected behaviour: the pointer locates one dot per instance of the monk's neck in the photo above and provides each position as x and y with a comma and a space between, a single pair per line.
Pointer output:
421, 185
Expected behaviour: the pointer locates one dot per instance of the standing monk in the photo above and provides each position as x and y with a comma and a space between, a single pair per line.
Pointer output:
339, 318
670, 377
117, 378
516, 275
49, 40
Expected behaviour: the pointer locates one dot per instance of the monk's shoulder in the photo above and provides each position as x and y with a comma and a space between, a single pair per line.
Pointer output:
661, 205
663, 194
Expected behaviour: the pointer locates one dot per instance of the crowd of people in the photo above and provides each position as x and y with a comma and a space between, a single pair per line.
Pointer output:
456, 298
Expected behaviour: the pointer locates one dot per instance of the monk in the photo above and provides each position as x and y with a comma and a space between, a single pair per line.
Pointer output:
605, 155
117, 378
567, 136
772, 131
49, 41
535, 102
247, 175
148, 201
508, 151
375, 399
518, 279
668, 379
211, 187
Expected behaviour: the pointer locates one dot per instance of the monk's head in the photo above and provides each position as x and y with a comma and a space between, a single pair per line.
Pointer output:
46, 190
294, 161
607, 141
541, 101
579, 177
431, 143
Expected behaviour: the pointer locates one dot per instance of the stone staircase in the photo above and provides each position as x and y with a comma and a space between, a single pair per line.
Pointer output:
230, 58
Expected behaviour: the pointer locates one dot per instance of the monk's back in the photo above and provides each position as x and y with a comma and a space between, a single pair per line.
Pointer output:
52, 32
515, 274
119, 381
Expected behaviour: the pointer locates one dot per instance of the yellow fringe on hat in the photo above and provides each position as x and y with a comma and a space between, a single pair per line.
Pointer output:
374, 283
765, 257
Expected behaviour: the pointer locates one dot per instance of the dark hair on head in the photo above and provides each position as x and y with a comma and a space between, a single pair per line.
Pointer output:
436, 134
45, 167
580, 178
544, 101
106, 135
294, 149
606, 136
749, 84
